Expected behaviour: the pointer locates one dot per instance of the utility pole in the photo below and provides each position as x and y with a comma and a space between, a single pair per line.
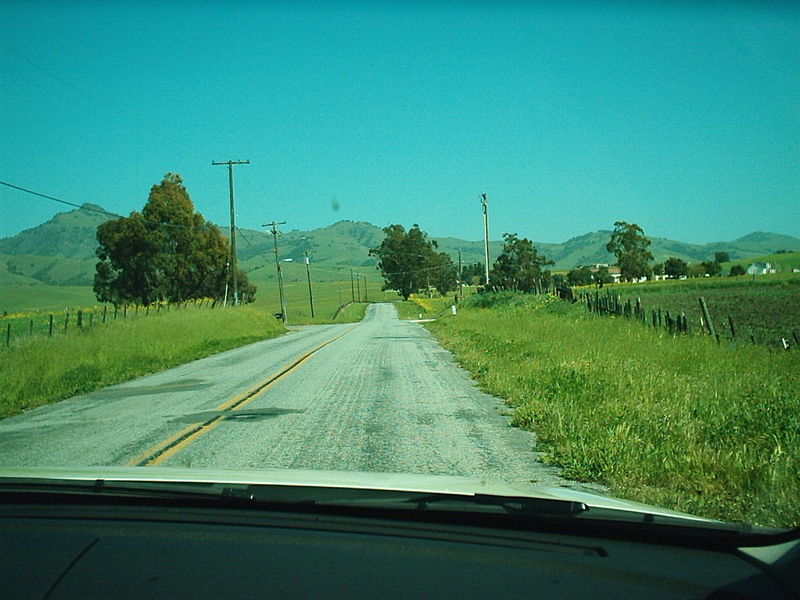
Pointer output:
310, 295
274, 232
352, 287
485, 204
230, 164
460, 282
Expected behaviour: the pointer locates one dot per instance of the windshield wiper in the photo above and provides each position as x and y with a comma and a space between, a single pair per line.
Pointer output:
513, 505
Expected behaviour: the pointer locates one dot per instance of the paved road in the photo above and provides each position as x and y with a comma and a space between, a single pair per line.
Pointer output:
384, 396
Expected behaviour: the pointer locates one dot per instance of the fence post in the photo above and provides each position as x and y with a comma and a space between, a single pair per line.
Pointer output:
733, 329
51, 325
707, 318
66, 322
80, 319
8, 333
105, 310
30, 333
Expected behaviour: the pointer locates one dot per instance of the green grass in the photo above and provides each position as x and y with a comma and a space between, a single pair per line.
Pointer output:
330, 289
420, 306
27, 298
677, 422
51, 369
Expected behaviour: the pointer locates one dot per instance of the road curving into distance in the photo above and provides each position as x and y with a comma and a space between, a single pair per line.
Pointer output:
379, 396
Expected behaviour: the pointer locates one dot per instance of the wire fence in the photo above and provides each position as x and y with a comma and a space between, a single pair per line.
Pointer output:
21, 328
677, 322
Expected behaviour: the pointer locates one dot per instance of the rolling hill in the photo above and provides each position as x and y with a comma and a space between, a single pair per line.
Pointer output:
61, 251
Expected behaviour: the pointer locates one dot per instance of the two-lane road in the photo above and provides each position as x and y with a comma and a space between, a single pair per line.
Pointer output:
378, 396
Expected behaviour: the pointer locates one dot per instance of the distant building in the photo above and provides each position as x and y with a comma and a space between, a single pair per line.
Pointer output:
759, 268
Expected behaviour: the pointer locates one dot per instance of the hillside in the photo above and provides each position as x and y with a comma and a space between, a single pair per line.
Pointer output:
62, 250
68, 234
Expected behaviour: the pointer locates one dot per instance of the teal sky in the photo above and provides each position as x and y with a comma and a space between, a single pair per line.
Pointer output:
682, 117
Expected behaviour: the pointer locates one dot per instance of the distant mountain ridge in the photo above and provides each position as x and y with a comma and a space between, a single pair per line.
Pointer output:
62, 250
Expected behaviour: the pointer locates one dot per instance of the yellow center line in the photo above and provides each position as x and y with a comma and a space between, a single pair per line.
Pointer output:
183, 438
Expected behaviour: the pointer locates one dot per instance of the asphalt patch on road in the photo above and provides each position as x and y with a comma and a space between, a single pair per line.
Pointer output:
256, 414
184, 385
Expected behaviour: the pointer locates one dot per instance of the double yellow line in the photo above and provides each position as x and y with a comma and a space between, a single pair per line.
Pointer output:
163, 450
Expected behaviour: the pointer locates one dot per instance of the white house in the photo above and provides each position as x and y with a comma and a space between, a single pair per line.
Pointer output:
758, 268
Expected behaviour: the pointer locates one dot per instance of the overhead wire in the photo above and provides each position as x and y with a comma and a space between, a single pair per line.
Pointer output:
54, 199
145, 128
101, 210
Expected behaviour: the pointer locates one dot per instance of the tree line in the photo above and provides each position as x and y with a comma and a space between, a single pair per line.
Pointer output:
629, 244
411, 263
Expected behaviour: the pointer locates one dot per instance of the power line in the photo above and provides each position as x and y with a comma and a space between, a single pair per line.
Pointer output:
54, 199
152, 132
115, 215
102, 211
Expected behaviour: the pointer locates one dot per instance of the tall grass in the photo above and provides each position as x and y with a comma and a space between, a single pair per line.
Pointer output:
49, 370
679, 422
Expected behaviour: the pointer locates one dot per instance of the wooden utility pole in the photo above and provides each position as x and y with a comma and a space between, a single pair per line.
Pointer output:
310, 294
230, 164
485, 204
274, 226
460, 282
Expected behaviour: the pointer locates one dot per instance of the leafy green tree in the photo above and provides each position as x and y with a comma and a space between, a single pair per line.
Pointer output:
602, 276
737, 270
658, 269
444, 273
696, 270
721, 257
580, 276
675, 268
166, 252
712, 268
408, 261
629, 244
519, 266
473, 274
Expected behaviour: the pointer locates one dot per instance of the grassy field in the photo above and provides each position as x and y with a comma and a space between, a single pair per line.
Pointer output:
764, 309
680, 422
48, 370
328, 296
38, 301
29, 298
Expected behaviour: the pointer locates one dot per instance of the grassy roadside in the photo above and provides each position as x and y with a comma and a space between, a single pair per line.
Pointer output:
50, 370
351, 313
420, 307
677, 422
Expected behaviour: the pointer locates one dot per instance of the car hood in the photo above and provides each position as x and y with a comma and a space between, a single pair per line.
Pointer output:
351, 480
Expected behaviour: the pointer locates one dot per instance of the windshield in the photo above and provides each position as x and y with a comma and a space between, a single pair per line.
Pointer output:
551, 247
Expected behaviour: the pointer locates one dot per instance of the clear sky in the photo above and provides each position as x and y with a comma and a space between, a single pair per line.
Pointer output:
683, 117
